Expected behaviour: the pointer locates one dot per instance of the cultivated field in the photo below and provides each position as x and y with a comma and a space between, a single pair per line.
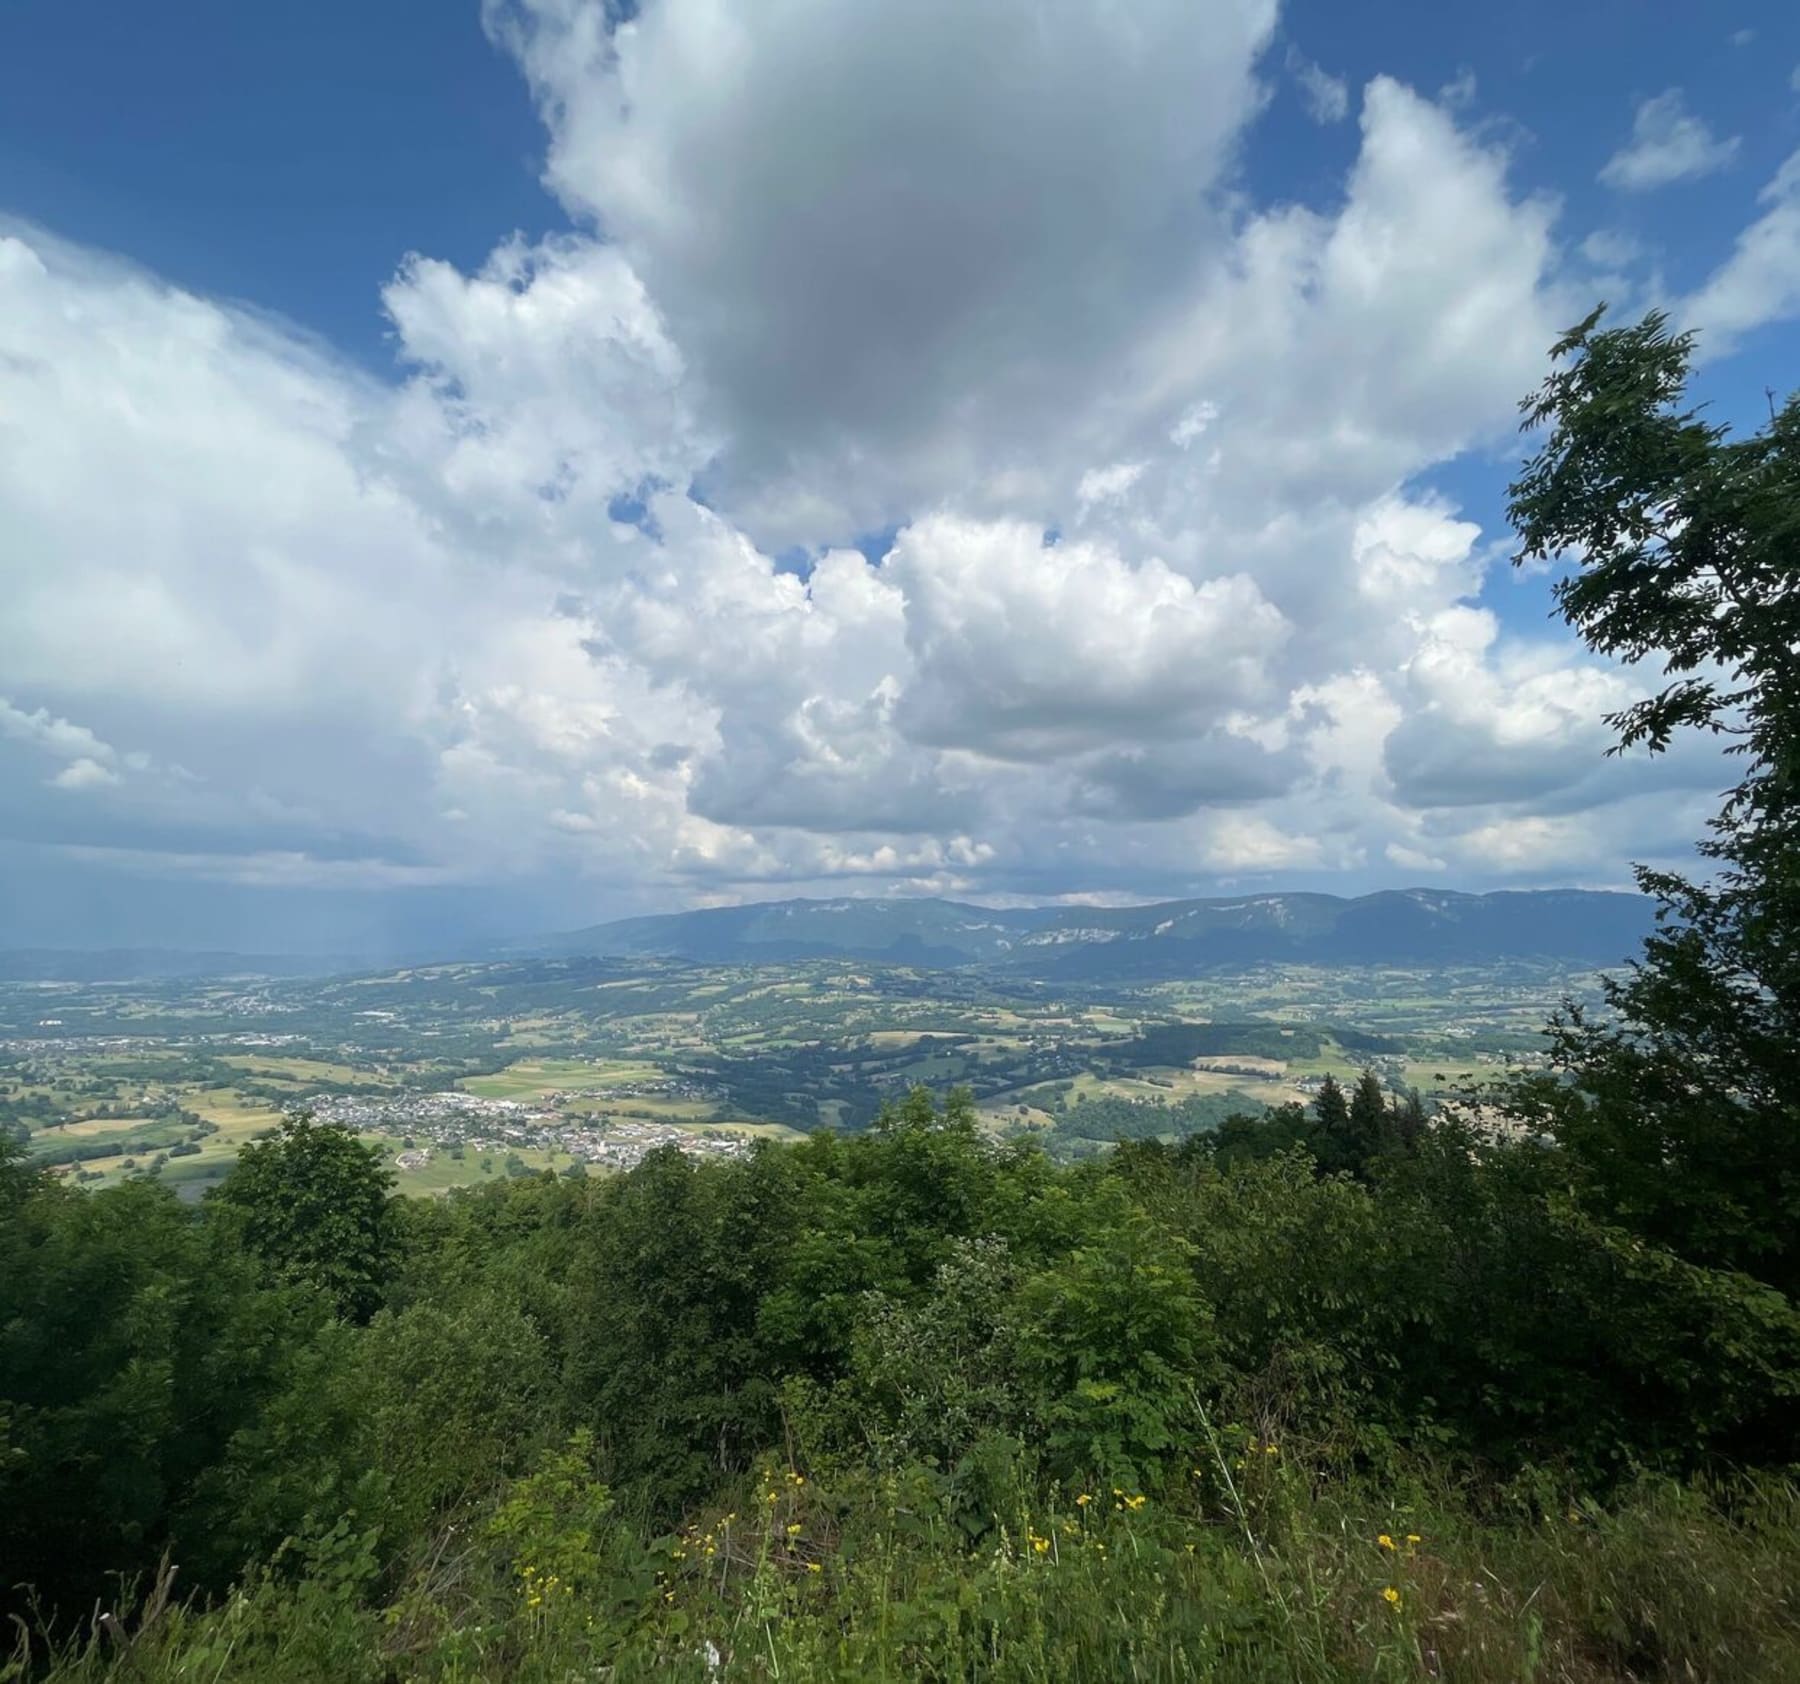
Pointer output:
561, 1058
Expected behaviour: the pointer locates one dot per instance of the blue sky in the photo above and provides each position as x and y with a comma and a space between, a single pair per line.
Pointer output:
287, 156
342, 348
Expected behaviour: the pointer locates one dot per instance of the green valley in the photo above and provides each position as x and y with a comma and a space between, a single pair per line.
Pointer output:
476, 1069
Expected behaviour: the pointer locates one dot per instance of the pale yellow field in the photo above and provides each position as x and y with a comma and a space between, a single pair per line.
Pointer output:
533, 1076
1429, 1074
98, 1128
238, 1119
759, 1131
299, 1069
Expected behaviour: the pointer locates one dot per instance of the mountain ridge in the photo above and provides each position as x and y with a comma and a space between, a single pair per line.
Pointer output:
1160, 938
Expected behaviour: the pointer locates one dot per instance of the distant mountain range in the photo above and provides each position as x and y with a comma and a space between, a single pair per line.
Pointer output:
1170, 938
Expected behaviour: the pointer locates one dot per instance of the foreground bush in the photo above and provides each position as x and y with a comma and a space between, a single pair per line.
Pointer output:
954, 1341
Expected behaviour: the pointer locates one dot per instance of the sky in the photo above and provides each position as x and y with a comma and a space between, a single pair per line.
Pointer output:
475, 469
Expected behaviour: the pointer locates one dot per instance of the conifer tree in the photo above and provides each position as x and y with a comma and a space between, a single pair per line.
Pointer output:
1371, 1126
1409, 1120
1331, 1141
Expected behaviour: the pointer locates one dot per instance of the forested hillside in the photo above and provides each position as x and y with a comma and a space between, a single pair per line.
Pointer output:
1334, 1393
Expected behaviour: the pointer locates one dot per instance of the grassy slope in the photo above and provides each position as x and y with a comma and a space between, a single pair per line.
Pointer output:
1262, 1576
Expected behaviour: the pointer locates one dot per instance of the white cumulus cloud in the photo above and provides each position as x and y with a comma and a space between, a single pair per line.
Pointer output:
1168, 599
1668, 144
1760, 281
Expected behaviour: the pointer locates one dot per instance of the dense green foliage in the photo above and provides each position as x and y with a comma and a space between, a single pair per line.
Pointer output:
941, 1334
1178, 1043
1682, 1115
1095, 1118
1328, 1393
312, 1204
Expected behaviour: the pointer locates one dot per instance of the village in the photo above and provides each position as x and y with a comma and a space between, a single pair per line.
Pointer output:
457, 1123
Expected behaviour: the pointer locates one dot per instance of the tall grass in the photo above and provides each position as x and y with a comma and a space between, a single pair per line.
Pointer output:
1264, 1568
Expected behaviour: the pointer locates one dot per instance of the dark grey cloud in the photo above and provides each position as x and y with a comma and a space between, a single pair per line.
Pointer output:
901, 239
1162, 781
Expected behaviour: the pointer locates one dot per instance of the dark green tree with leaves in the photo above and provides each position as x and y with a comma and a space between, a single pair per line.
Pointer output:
1245, 1137
136, 1342
1117, 1342
16, 1179
1680, 1115
314, 1204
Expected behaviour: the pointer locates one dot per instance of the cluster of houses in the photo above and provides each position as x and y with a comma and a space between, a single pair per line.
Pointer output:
436, 1122
623, 1145
661, 1087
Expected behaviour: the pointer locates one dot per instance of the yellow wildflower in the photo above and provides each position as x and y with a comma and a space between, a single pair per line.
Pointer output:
1413, 1538
814, 1567
1391, 1597
1083, 1500
1385, 1541
795, 1530
1135, 1503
